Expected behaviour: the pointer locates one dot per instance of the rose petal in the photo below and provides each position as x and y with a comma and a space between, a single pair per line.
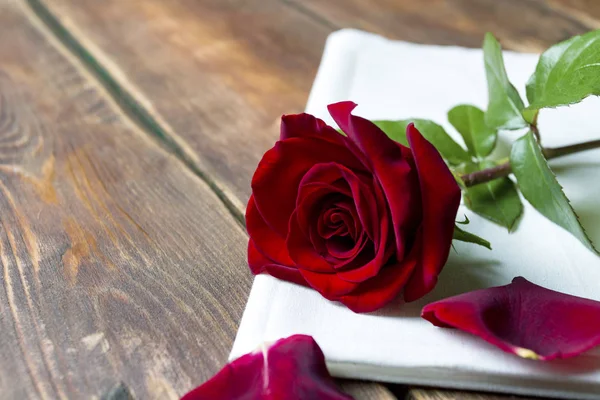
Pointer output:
440, 197
389, 164
265, 239
364, 256
383, 245
302, 251
292, 368
306, 125
344, 247
260, 264
383, 288
522, 318
329, 285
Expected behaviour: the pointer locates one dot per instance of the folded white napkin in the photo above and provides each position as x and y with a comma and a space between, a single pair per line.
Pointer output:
397, 80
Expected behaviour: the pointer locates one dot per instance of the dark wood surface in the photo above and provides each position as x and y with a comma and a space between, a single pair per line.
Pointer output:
435, 394
108, 245
129, 131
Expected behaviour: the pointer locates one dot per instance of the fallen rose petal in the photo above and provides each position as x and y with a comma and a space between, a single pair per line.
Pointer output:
291, 368
522, 318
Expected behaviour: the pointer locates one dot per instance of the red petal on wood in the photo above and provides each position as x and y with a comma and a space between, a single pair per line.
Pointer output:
292, 368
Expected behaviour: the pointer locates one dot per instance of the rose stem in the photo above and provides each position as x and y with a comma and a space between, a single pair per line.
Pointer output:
504, 169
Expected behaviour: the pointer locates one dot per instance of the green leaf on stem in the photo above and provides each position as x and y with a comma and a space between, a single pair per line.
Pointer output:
469, 121
566, 73
540, 187
469, 237
396, 130
497, 200
504, 103
434, 133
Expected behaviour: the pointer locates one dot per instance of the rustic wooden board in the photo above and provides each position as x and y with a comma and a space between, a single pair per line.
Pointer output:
216, 75
116, 262
211, 77
528, 26
225, 144
433, 394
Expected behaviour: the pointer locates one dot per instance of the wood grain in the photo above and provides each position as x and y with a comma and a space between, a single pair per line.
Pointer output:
116, 262
213, 76
222, 101
529, 26
433, 394
216, 75
361, 390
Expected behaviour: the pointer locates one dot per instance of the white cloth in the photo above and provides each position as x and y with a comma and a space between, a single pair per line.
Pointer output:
397, 80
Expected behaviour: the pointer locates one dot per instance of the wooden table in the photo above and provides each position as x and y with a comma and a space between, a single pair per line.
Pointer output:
129, 131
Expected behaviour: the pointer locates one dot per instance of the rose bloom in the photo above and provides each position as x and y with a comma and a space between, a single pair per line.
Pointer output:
358, 218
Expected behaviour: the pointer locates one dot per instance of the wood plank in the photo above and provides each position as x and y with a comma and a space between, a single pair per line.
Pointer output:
361, 390
529, 26
214, 106
116, 263
215, 74
434, 394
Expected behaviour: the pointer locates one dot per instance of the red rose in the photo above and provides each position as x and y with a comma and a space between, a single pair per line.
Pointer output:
358, 217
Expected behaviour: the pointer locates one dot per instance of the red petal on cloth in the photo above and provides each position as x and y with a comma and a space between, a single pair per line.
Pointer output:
259, 263
440, 196
522, 318
389, 164
292, 368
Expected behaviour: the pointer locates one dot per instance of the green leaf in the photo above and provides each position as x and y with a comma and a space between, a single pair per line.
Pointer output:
497, 200
540, 187
530, 115
434, 133
504, 103
464, 222
469, 121
469, 237
396, 130
566, 73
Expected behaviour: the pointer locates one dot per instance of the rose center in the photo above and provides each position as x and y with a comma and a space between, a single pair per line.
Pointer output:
337, 222
341, 234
